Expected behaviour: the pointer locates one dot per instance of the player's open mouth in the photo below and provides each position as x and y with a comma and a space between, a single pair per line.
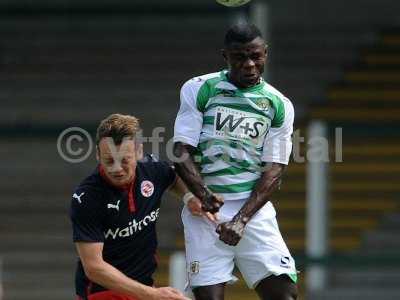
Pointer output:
250, 76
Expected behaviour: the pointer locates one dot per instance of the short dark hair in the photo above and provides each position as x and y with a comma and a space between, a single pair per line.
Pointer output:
118, 127
241, 32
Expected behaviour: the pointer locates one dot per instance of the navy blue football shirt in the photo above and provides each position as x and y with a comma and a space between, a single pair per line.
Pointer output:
100, 213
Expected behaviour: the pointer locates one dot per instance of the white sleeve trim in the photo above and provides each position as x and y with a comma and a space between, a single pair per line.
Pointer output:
278, 142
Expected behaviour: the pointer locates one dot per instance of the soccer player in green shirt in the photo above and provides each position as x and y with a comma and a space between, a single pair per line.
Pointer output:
234, 130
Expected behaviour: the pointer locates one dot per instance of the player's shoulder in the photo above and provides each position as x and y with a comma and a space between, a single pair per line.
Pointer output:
159, 172
198, 90
151, 163
268, 88
148, 161
198, 81
90, 191
278, 97
87, 201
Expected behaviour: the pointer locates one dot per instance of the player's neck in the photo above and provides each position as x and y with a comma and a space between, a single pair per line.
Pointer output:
123, 187
239, 85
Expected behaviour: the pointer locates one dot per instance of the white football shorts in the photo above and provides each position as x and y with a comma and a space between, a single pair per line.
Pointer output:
260, 253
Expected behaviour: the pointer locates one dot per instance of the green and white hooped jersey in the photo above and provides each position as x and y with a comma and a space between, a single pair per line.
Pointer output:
235, 131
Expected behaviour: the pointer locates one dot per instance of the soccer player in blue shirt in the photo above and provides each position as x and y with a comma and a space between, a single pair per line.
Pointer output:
114, 213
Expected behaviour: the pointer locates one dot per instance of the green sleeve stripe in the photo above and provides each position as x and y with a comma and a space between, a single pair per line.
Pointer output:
206, 91
233, 188
279, 117
202, 97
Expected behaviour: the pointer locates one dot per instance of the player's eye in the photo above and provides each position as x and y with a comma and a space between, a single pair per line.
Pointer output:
126, 160
238, 56
257, 56
109, 161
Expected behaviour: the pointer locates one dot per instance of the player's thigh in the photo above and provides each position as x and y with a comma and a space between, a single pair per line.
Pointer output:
209, 261
211, 292
277, 288
262, 251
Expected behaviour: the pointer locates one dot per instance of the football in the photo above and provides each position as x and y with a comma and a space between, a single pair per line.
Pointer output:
233, 3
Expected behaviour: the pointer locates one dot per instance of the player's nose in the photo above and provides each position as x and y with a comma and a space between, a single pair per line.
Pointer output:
249, 63
117, 169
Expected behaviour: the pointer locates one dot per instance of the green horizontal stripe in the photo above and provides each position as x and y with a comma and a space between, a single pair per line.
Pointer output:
241, 163
227, 171
208, 120
242, 107
233, 188
230, 100
232, 144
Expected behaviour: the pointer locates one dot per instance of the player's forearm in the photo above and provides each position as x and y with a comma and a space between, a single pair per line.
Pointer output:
188, 171
111, 278
178, 189
266, 185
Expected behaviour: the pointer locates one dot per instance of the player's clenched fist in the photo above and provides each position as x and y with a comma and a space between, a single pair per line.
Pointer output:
166, 293
211, 202
195, 207
231, 232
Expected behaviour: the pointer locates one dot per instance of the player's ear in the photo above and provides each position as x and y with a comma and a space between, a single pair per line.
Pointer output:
97, 153
139, 151
224, 55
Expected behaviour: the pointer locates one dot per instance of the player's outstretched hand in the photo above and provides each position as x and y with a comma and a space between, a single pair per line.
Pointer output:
195, 207
212, 202
231, 232
166, 293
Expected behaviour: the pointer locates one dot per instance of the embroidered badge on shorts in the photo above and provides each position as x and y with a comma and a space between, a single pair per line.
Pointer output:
194, 267
147, 188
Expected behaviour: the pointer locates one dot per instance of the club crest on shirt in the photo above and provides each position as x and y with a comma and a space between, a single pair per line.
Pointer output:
147, 188
262, 103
